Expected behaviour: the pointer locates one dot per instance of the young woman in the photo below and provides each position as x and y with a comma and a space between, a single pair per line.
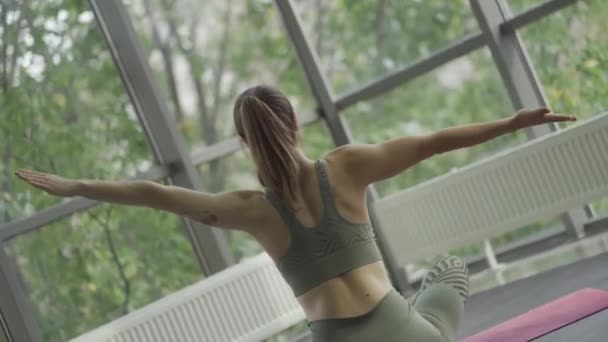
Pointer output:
313, 221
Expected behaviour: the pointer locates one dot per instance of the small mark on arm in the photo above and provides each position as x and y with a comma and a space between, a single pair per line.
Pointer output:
239, 202
245, 195
207, 217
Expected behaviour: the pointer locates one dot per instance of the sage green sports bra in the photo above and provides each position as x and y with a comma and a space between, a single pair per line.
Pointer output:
333, 247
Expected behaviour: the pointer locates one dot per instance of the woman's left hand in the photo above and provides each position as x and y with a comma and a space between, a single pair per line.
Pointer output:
533, 117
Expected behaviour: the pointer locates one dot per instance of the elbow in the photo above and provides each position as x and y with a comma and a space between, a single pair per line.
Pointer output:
144, 187
149, 194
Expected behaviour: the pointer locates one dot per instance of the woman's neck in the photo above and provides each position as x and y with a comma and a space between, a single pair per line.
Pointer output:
301, 158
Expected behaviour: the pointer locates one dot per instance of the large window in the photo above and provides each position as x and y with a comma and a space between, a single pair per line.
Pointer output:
361, 40
464, 91
63, 108
95, 266
204, 53
569, 50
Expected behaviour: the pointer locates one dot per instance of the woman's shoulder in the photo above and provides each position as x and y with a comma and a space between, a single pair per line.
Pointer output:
342, 157
358, 164
340, 162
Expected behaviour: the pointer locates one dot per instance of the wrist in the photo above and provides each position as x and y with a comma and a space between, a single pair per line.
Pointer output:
513, 123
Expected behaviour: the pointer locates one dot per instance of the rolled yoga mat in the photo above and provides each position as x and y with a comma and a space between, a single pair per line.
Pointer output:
547, 318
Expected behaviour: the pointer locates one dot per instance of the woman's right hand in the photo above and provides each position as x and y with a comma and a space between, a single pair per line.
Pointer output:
53, 184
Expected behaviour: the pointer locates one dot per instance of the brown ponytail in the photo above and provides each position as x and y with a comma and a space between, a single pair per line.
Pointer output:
265, 120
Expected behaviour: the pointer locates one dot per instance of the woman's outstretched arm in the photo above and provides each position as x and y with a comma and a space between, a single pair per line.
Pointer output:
231, 210
371, 163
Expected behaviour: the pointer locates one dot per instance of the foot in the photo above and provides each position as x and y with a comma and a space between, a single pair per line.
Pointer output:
449, 270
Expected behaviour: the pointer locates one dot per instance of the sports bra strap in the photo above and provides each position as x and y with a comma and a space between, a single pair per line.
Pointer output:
329, 208
329, 205
286, 214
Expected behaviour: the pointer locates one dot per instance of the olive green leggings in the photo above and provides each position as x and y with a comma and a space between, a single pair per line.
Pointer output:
434, 317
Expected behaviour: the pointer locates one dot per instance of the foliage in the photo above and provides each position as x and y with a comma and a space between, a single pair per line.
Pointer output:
361, 40
114, 260
570, 52
63, 109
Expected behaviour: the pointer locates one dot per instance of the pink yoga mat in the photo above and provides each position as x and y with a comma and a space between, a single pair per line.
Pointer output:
547, 318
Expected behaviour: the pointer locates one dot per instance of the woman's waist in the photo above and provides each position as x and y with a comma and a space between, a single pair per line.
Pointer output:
351, 294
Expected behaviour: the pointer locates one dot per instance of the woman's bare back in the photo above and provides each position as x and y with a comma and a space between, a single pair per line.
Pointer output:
352, 293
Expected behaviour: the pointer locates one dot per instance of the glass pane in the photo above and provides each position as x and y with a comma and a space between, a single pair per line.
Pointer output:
527, 231
569, 50
467, 90
204, 53
237, 172
96, 266
360, 40
601, 207
316, 140
518, 6
63, 108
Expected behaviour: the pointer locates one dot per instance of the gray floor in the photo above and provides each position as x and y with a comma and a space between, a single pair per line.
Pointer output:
491, 307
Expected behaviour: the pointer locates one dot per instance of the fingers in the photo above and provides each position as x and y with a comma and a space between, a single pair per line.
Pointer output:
30, 172
36, 182
560, 118
35, 178
546, 111
39, 184
23, 175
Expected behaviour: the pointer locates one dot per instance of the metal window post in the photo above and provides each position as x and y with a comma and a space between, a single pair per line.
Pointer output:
4, 334
519, 77
16, 309
338, 129
210, 244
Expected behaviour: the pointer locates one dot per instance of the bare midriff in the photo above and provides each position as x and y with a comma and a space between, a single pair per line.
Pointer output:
351, 294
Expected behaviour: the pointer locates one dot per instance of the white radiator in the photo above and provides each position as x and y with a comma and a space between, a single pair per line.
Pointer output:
247, 302
536, 180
